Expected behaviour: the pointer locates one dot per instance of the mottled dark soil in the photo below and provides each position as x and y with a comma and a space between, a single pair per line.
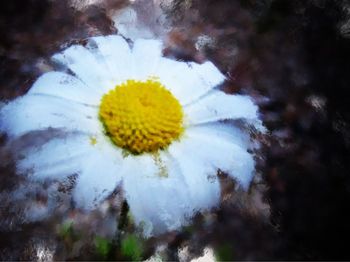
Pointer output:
293, 57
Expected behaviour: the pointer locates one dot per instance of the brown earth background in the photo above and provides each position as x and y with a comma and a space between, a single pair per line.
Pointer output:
293, 57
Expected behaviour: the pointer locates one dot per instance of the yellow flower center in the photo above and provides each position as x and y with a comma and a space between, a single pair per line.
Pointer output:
141, 116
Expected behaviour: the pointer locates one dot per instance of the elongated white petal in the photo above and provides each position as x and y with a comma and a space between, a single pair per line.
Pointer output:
199, 167
56, 159
65, 86
200, 178
220, 106
88, 67
221, 153
39, 112
146, 55
188, 81
117, 56
98, 178
158, 198
227, 131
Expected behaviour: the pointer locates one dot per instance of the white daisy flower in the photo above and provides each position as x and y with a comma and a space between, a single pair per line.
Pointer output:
136, 119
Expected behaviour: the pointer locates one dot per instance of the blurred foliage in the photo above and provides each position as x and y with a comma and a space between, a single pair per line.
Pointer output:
132, 247
224, 253
103, 246
66, 230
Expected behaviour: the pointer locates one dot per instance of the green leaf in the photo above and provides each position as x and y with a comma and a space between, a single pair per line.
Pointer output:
132, 247
224, 253
103, 246
66, 229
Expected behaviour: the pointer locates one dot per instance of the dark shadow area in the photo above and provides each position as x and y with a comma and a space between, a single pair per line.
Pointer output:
309, 177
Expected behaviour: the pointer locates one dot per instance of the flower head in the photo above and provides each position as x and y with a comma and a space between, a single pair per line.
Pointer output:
134, 118
141, 116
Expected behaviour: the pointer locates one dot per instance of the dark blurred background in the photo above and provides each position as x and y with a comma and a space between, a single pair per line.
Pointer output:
292, 56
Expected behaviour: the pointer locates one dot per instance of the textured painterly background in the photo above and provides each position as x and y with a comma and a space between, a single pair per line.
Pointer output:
293, 57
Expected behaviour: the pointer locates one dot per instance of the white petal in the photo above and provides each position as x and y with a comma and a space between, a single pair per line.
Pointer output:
87, 66
227, 131
39, 112
221, 153
65, 86
98, 178
158, 202
146, 55
199, 169
188, 81
117, 56
199, 176
56, 159
220, 106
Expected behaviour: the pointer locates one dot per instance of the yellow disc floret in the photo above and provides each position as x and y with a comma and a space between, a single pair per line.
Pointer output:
141, 116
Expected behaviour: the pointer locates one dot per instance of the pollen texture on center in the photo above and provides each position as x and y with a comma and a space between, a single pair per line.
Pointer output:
141, 116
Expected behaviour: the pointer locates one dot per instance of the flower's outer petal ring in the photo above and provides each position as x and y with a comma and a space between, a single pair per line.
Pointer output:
99, 177
146, 55
220, 152
87, 66
116, 53
199, 177
188, 81
158, 201
39, 112
218, 106
56, 159
65, 86
227, 131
